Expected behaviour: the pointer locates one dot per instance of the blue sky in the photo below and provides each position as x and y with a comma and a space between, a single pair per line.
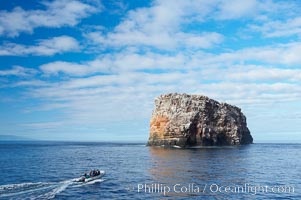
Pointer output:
89, 70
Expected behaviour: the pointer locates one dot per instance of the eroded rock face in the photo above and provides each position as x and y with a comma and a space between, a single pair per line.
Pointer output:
188, 120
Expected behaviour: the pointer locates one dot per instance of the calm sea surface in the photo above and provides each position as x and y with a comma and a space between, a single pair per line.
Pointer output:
46, 170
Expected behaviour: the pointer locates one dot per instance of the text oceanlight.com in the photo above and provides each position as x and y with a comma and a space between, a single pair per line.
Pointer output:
212, 188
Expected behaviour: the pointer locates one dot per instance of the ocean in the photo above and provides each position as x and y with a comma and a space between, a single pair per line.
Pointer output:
47, 170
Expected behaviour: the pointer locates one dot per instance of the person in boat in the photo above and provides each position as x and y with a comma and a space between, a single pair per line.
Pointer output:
92, 173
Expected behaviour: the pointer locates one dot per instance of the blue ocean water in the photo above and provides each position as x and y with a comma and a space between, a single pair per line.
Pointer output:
46, 170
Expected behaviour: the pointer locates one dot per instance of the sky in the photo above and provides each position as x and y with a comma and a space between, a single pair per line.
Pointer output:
90, 70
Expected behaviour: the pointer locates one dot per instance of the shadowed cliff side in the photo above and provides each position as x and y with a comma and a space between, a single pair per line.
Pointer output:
196, 120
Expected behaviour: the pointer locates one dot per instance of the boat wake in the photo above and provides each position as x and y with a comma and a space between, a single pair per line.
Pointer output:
40, 190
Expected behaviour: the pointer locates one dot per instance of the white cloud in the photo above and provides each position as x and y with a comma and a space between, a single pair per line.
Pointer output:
18, 71
279, 54
257, 10
46, 47
58, 13
160, 26
281, 19
127, 61
64, 67
160, 40
266, 74
279, 28
116, 63
204, 40
236, 9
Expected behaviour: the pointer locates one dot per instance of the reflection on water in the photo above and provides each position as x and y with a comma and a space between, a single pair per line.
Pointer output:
199, 165
226, 166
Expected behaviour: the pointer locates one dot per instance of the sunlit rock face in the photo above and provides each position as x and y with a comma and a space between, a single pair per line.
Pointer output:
195, 120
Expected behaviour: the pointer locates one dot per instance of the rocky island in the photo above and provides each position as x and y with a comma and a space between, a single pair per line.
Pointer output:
195, 120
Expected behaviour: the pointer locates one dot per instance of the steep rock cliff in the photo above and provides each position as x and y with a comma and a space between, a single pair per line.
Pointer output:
196, 120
